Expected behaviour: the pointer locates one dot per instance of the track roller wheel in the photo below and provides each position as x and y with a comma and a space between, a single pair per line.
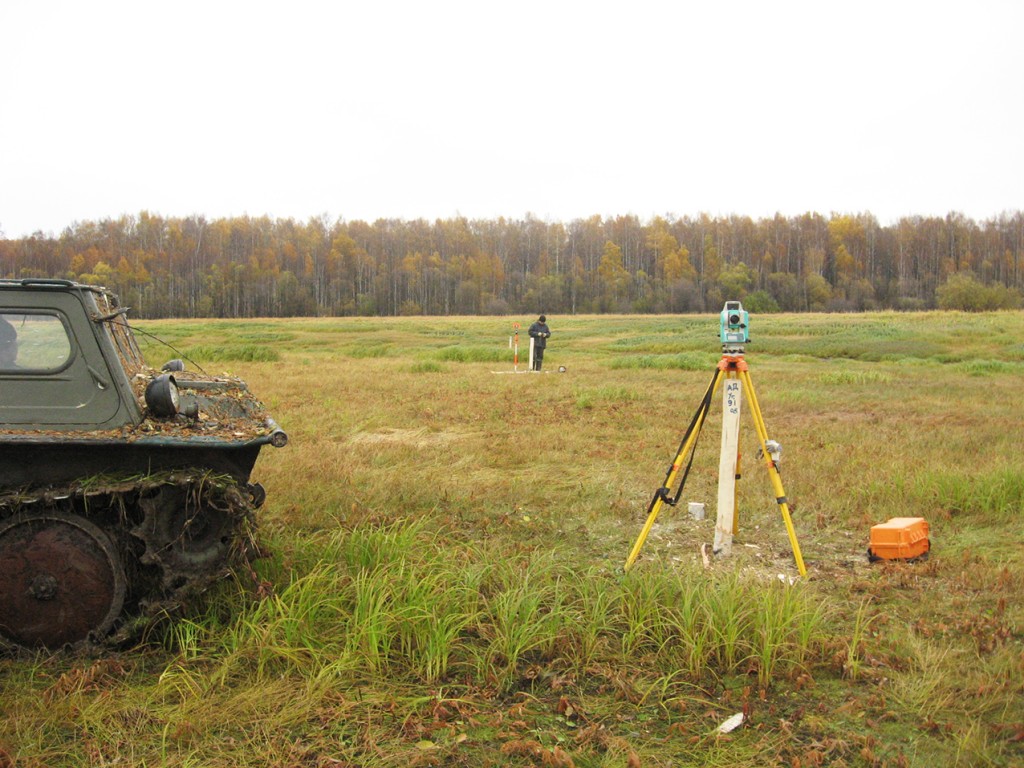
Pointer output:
61, 580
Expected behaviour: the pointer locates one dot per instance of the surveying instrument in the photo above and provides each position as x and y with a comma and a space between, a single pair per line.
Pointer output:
732, 369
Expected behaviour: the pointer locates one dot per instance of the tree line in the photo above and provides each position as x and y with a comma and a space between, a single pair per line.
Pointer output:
264, 267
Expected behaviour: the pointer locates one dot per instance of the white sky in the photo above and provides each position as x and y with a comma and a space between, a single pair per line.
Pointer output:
375, 108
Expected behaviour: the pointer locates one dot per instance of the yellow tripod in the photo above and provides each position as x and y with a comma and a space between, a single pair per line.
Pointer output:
731, 366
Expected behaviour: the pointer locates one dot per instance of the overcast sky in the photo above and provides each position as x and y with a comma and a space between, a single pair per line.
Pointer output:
371, 109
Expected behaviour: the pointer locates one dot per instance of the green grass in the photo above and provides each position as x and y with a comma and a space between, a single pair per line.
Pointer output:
446, 585
427, 366
682, 362
605, 395
473, 354
232, 353
855, 377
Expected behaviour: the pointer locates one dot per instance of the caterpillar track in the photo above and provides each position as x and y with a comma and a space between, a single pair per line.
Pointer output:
96, 565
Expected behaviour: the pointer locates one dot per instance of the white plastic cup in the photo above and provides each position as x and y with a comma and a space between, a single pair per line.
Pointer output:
697, 510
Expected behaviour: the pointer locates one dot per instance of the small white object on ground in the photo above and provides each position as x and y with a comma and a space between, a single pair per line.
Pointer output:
731, 724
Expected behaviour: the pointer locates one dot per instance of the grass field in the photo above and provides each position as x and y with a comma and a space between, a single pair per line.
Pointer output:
445, 583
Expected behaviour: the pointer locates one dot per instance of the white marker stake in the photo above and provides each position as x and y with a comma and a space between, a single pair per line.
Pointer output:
731, 397
532, 340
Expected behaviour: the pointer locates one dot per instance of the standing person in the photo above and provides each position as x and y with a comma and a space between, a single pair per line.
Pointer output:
539, 332
8, 346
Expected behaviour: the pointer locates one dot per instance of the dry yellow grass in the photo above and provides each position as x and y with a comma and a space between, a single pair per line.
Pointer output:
538, 475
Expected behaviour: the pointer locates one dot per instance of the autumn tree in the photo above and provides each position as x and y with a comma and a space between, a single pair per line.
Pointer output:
613, 275
963, 291
249, 267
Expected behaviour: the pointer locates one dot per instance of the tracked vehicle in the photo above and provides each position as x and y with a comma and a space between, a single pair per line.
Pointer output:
124, 490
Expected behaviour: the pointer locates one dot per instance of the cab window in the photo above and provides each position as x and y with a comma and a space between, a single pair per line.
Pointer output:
32, 342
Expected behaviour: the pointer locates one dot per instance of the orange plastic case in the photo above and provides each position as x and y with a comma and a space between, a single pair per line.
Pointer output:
902, 538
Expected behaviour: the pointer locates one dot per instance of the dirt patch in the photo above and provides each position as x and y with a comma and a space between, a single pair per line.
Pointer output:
415, 438
759, 550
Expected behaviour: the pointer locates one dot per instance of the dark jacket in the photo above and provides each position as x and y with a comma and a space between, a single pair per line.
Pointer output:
540, 332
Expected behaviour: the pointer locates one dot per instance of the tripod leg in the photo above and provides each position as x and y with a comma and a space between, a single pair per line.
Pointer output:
773, 471
689, 441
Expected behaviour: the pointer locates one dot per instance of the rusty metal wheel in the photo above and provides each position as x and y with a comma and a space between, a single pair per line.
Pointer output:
61, 580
